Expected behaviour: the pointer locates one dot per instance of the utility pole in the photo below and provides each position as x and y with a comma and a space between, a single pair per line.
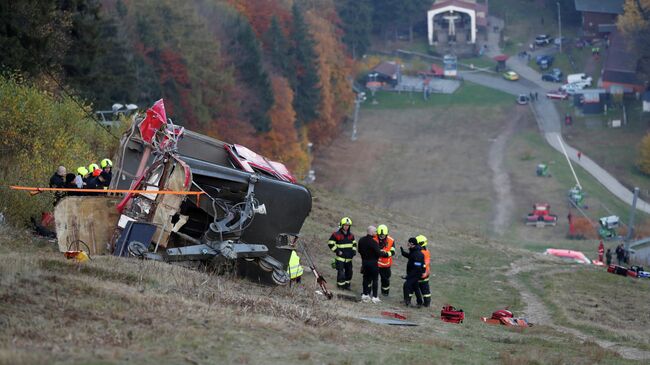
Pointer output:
559, 24
630, 225
360, 97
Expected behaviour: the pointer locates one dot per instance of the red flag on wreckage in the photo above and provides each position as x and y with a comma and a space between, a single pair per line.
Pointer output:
155, 118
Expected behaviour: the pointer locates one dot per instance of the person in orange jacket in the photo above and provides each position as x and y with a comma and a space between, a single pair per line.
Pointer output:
386, 244
423, 284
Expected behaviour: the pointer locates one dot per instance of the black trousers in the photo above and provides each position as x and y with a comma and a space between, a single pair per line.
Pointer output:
410, 287
423, 294
384, 273
343, 274
370, 277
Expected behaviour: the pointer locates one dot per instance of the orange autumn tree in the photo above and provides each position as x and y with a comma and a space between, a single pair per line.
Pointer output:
284, 142
260, 12
334, 65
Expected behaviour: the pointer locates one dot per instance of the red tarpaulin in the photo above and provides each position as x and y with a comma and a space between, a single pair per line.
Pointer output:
155, 118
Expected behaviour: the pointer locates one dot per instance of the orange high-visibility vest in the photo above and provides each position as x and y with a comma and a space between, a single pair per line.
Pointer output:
427, 260
386, 261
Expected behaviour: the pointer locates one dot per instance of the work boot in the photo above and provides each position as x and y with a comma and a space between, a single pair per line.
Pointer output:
407, 303
365, 298
384, 293
376, 300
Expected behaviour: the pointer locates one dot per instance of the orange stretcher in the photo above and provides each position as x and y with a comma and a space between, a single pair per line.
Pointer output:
35, 190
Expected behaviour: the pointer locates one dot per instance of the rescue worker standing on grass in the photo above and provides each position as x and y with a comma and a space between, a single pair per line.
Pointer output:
370, 255
424, 297
295, 270
414, 269
386, 244
343, 244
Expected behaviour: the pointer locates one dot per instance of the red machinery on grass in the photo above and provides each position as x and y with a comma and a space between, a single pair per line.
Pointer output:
541, 216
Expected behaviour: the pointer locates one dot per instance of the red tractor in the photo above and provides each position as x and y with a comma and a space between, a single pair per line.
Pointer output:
541, 216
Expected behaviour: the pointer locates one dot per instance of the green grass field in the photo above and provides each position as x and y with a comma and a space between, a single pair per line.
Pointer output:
467, 94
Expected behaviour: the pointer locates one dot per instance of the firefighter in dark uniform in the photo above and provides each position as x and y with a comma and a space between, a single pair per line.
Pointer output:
414, 269
344, 246
424, 296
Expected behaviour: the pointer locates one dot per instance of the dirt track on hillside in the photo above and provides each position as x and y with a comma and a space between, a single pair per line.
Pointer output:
433, 163
536, 311
504, 203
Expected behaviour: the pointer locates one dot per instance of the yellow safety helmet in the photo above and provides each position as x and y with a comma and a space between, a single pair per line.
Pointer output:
344, 221
82, 170
382, 230
422, 240
92, 167
106, 162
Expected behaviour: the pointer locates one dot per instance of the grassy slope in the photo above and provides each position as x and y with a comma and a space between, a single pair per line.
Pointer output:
599, 200
117, 310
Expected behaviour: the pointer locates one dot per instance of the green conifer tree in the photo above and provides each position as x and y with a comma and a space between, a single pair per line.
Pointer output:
357, 24
306, 79
278, 47
248, 52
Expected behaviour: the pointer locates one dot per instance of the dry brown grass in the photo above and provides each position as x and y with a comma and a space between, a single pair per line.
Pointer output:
115, 310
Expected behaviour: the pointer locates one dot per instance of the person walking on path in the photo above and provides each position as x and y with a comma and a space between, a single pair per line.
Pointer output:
343, 244
579, 155
370, 255
415, 267
386, 244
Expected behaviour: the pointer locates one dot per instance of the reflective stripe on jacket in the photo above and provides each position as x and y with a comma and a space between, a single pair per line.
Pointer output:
343, 245
386, 245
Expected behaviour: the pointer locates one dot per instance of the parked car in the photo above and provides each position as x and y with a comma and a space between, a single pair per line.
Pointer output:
557, 95
581, 43
557, 72
571, 88
579, 78
544, 61
551, 77
561, 40
543, 40
511, 75
522, 99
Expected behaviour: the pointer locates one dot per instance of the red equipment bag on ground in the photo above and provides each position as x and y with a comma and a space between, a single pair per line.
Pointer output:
515, 322
452, 315
502, 313
620, 270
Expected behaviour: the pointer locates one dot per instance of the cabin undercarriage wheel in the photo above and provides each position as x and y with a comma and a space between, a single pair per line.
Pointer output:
280, 277
265, 265
137, 249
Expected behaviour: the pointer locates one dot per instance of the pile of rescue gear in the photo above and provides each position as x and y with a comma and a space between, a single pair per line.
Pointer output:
452, 314
634, 271
506, 318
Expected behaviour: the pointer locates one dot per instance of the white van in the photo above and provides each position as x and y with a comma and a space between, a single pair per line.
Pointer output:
570, 79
